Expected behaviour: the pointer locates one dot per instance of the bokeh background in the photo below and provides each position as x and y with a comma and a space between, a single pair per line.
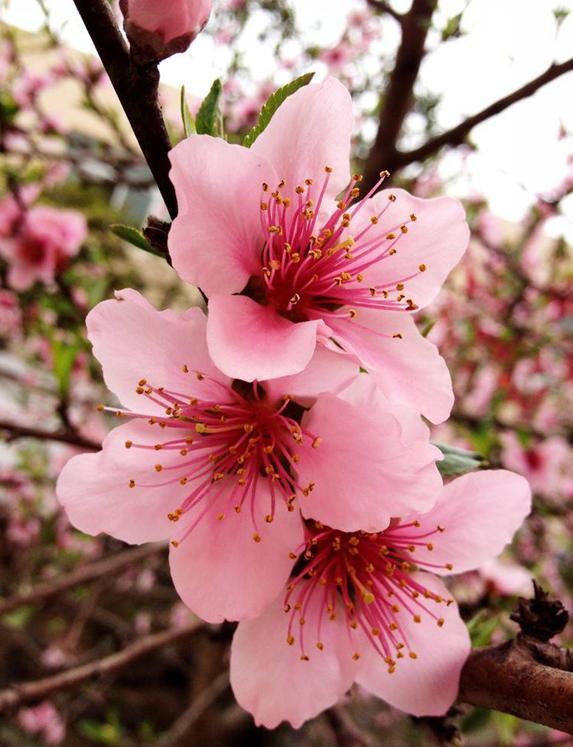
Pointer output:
504, 323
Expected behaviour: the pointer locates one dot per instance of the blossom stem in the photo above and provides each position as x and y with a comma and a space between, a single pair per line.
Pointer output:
136, 87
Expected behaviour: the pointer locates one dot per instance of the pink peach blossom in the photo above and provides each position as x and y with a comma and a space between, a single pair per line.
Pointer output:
227, 461
546, 465
43, 719
285, 265
37, 242
367, 608
162, 29
10, 314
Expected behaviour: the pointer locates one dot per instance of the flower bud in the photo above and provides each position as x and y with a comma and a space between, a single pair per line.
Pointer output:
159, 30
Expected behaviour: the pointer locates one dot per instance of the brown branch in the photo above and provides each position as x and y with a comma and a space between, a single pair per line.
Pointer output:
383, 7
83, 575
509, 678
398, 96
193, 713
17, 695
15, 431
136, 87
458, 134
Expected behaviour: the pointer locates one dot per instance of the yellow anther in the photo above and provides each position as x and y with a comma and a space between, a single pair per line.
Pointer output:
449, 567
256, 537
128, 444
132, 483
200, 427
158, 467
316, 443
413, 655
175, 543
397, 336
422, 267
269, 518
441, 622
356, 656
417, 619
320, 645
392, 198
290, 639
139, 390
183, 481
374, 220
304, 657
220, 517
352, 313
328, 169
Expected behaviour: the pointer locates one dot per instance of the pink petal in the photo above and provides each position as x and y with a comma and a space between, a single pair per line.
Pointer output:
427, 685
409, 370
94, 488
269, 678
479, 512
134, 341
310, 130
248, 341
437, 239
371, 464
327, 372
216, 239
221, 573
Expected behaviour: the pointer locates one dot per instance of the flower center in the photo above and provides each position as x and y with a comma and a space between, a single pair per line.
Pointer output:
313, 266
367, 580
32, 250
225, 446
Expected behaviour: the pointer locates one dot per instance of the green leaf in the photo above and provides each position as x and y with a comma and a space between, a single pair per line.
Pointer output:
186, 116
458, 461
209, 120
63, 357
134, 237
481, 628
272, 104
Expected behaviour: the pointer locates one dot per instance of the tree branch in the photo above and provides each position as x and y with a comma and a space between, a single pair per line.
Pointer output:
136, 87
64, 436
193, 713
458, 134
83, 575
17, 695
509, 678
398, 96
383, 7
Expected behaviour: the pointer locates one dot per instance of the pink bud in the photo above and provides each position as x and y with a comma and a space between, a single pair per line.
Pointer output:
158, 30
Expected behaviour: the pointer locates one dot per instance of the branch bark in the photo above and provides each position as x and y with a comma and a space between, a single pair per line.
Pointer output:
17, 695
394, 159
64, 436
398, 96
83, 575
136, 87
510, 678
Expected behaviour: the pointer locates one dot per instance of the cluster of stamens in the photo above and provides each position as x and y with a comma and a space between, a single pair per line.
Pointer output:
225, 445
313, 266
366, 579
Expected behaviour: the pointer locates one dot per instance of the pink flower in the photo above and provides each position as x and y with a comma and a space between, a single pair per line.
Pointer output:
163, 29
367, 608
284, 265
43, 719
227, 461
38, 241
10, 314
546, 465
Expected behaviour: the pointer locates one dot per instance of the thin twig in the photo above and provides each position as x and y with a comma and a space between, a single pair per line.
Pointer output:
383, 7
183, 724
26, 692
73, 438
83, 575
458, 134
